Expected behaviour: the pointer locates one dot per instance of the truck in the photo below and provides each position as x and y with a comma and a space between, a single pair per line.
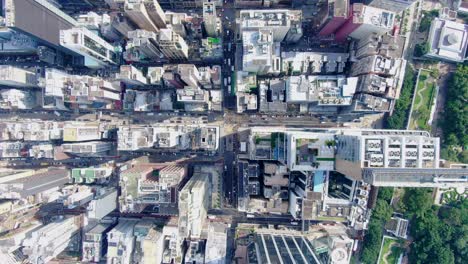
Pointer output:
229, 61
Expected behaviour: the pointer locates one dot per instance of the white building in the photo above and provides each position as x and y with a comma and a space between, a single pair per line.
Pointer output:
137, 12
172, 45
279, 21
385, 149
31, 130
19, 99
81, 131
261, 54
87, 148
92, 20
47, 242
17, 77
61, 88
104, 202
448, 40
121, 242
313, 62
155, 75
141, 45
155, 13
131, 75
170, 137
212, 23
193, 206
96, 51
396, 6
325, 90
93, 243
215, 252
365, 21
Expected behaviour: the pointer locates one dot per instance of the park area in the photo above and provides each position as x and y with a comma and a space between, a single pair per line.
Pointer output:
390, 251
423, 100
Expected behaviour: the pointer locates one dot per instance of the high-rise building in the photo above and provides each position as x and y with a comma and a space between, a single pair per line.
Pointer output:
92, 148
376, 149
121, 242
17, 77
122, 24
136, 11
193, 206
95, 243
156, 13
279, 21
153, 187
396, 6
336, 15
131, 75
80, 131
27, 184
47, 242
210, 19
260, 53
96, 51
172, 45
142, 46
365, 21
62, 89
103, 203
37, 18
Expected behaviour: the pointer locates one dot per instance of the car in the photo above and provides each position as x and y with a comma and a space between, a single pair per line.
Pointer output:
294, 223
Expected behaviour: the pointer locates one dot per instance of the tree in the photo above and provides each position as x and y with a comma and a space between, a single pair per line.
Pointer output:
417, 201
421, 49
455, 120
386, 193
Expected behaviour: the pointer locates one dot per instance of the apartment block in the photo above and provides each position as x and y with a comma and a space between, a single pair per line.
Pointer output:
91, 148
396, 6
278, 21
261, 54
47, 242
169, 137
364, 21
131, 76
172, 45
142, 46
121, 242
331, 90
95, 243
296, 63
212, 23
336, 14
151, 187
17, 77
64, 91
27, 184
138, 14
96, 51
31, 130
193, 206
19, 99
